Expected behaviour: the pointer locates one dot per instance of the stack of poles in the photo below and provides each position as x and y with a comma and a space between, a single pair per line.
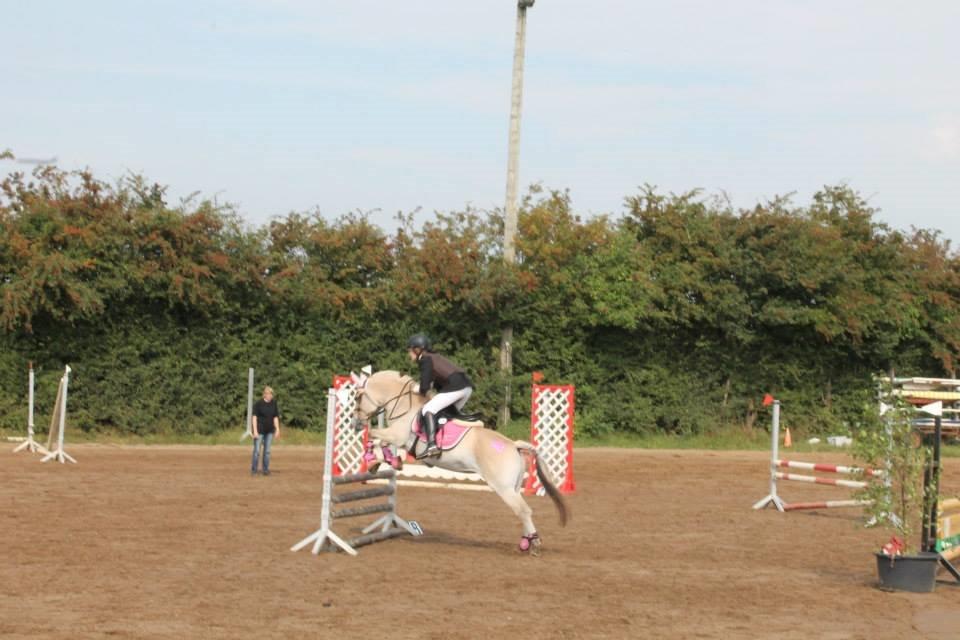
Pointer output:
59, 422
30, 444
931, 483
390, 525
777, 463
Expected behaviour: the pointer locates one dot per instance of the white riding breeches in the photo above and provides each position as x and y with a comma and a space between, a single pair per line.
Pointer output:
451, 398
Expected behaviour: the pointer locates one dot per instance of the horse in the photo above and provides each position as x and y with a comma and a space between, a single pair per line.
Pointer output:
499, 460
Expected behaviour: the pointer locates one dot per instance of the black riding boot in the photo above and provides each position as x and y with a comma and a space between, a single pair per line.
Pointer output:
429, 424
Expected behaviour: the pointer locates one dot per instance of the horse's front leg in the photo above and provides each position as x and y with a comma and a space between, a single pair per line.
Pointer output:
382, 450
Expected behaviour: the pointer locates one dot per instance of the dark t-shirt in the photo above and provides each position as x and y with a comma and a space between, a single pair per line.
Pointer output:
265, 412
441, 373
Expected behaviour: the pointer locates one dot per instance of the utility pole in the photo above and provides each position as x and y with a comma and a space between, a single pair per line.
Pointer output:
510, 220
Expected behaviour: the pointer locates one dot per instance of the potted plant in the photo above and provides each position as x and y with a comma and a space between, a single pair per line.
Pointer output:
898, 500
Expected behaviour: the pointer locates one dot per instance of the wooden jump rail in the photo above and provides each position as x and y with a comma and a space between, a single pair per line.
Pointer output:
779, 463
390, 524
825, 504
794, 477
828, 468
421, 475
948, 529
941, 525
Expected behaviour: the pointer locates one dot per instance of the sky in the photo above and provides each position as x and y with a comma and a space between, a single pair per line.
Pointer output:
383, 106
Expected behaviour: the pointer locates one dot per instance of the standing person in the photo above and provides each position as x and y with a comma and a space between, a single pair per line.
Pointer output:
450, 381
266, 427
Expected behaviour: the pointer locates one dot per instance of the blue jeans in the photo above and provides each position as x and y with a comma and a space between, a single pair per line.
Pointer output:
267, 440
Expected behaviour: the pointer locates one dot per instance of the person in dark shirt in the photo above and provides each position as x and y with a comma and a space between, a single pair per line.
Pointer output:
451, 382
265, 427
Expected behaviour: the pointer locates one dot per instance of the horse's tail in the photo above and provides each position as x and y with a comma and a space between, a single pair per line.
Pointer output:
548, 485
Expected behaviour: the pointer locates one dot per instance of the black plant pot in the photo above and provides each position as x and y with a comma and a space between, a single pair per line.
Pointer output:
908, 573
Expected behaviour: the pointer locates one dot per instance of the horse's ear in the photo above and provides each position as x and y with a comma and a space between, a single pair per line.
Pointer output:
367, 370
354, 378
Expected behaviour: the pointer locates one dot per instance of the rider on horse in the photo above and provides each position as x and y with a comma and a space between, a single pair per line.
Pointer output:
451, 382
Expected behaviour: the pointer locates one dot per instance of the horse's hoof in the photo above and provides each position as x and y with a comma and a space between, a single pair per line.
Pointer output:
372, 467
530, 544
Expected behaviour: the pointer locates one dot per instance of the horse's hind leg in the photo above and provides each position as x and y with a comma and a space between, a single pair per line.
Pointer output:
503, 468
520, 508
530, 541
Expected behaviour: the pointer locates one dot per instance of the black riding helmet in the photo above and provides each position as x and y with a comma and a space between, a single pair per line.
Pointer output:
419, 341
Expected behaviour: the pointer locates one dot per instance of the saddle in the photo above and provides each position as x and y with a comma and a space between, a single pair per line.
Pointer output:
451, 429
452, 413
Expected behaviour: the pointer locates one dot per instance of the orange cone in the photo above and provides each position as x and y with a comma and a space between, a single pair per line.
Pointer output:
787, 440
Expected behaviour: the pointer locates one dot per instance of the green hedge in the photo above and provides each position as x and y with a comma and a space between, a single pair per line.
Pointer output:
674, 317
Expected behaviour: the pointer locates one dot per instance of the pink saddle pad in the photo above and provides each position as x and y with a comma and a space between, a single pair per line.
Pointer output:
449, 434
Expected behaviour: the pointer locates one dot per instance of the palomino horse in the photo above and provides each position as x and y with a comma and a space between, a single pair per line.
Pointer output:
499, 460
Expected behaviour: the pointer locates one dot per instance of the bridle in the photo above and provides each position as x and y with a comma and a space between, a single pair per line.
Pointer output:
359, 419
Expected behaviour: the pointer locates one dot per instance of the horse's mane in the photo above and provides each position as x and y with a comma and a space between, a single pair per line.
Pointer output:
399, 377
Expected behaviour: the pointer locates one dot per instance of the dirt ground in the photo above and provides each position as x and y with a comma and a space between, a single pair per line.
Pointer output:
181, 542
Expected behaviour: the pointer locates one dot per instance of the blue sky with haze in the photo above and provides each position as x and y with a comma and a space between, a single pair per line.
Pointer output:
292, 105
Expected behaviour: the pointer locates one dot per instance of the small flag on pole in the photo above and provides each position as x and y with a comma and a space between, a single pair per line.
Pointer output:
767, 399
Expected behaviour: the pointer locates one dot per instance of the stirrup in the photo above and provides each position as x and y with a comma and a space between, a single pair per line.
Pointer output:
429, 452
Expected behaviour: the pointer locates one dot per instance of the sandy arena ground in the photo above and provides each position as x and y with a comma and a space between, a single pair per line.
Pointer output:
180, 542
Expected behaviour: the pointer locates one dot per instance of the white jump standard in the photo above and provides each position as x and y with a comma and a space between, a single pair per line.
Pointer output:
248, 429
390, 524
30, 444
58, 423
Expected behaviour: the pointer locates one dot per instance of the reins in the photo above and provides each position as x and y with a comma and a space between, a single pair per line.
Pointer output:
405, 390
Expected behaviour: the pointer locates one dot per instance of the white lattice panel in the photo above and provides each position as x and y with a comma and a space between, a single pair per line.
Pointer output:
552, 434
347, 443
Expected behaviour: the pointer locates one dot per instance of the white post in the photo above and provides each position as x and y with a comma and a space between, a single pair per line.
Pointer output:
772, 497
59, 453
324, 533
510, 208
30, 404
30, 444
248, 432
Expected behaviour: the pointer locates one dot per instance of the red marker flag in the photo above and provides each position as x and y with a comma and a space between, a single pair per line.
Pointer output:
767, 399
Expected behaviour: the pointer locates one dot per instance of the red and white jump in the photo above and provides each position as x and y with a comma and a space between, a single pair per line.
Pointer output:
777, 463
551, 432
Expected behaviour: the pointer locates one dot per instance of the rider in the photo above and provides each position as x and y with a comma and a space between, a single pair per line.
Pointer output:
451, 382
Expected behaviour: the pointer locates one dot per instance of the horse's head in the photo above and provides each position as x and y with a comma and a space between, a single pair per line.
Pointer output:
383, 392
